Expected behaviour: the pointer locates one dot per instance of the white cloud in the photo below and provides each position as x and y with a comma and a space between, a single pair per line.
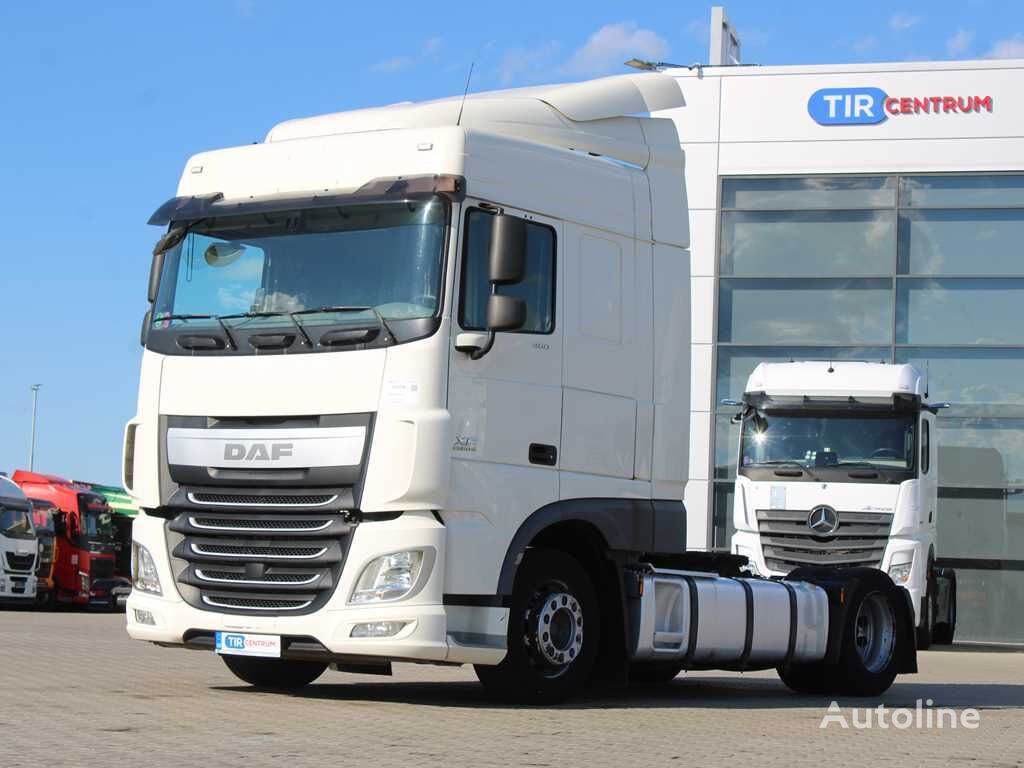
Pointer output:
1007, 48
864, 44
960, 42
396, 64
518, 63
899, 22
428, 51
612, 44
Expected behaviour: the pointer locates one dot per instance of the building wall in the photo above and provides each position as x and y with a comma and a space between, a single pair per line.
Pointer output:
896, 239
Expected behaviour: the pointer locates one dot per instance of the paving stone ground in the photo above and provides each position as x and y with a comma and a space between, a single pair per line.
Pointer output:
74, 690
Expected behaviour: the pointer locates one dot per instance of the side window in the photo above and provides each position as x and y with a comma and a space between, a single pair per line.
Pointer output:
926, 446
537, 289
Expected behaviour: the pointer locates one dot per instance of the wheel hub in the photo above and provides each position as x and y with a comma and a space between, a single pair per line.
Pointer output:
555, 629
875, 632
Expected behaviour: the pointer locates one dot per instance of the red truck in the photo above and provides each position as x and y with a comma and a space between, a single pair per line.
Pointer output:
84, 555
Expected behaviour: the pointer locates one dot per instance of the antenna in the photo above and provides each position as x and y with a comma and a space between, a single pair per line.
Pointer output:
927, 378
465, 92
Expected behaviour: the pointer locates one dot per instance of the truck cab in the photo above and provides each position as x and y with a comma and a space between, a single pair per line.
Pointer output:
83, 571
838, 466
19, 546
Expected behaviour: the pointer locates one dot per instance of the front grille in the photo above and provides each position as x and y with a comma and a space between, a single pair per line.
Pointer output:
101, 569
243, 500
249, 561
255, 603
20, 563
788, 543
273, 524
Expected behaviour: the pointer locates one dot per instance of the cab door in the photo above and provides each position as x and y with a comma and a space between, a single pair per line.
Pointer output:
506, 406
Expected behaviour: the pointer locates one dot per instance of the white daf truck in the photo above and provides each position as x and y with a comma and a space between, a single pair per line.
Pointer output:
415, 388
838, 466
19, 546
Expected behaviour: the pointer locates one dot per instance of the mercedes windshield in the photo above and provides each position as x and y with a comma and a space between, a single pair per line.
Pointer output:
366, 274
816, 445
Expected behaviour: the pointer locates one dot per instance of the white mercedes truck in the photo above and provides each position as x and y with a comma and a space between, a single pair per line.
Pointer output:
415, 388
838, 466
19, 546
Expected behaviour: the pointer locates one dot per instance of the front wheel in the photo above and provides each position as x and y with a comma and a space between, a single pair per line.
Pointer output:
553, 633
279, 674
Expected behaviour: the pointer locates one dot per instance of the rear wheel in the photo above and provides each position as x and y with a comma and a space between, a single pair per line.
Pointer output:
280, 674
926, 628
553, 633
873, 639
946, 628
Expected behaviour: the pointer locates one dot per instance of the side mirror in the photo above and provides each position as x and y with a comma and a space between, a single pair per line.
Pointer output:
147, 321
505, 313
59, 523
508, 250
155, 268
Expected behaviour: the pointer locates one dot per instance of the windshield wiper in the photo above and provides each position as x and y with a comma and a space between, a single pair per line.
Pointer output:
220, 321
325, 310
777, 463
290, 315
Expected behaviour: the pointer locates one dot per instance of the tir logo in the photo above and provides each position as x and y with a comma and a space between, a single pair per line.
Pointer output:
823, 520
257, 451
870, 106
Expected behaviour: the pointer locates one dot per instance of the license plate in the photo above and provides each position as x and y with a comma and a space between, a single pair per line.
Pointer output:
244, 644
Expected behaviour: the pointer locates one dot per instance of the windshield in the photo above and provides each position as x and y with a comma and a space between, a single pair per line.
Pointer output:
883, 441
42, 516
97, 526
16, 523
381, 260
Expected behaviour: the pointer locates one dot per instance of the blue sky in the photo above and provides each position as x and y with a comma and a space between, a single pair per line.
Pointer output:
101, 103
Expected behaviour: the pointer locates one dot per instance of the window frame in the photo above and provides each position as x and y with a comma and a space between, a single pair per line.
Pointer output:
464, 260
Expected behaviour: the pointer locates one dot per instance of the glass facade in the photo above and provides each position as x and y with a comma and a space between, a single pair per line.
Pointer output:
925, 269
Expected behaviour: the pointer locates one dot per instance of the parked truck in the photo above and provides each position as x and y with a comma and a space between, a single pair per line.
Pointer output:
838, 466
415, 387
83, 571
19, 547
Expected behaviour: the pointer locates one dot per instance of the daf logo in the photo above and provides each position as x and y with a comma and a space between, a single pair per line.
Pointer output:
257, 451
823, 520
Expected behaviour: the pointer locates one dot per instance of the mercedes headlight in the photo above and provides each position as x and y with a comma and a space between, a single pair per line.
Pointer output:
144, 575
902, 566
390, 577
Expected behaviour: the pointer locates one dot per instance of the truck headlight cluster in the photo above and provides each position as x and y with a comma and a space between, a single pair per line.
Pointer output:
389, 577
144, 574
902, 566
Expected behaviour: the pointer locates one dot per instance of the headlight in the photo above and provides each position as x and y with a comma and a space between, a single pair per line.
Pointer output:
83, 582
144, 575
902, 566
390, 577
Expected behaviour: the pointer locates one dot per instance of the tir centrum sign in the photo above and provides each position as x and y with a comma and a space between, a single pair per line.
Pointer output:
867, 106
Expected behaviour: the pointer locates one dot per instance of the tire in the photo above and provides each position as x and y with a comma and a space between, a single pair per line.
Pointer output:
654, 672
812, 679
926, 629
873, 639
552, 591
944, 631
274, 674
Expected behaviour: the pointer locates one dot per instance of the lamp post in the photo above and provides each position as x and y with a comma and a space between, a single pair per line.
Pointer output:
32, 441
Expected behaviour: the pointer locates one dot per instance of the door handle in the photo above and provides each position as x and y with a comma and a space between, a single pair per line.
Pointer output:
541, 453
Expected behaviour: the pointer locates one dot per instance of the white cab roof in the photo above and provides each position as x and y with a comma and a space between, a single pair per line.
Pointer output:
10, 490
836, 379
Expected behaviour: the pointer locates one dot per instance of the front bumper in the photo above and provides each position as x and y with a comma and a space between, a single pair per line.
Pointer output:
426, 636
15, 587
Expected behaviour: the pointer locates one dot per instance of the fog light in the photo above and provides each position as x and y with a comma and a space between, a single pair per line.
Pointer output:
144, 617
378, 629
